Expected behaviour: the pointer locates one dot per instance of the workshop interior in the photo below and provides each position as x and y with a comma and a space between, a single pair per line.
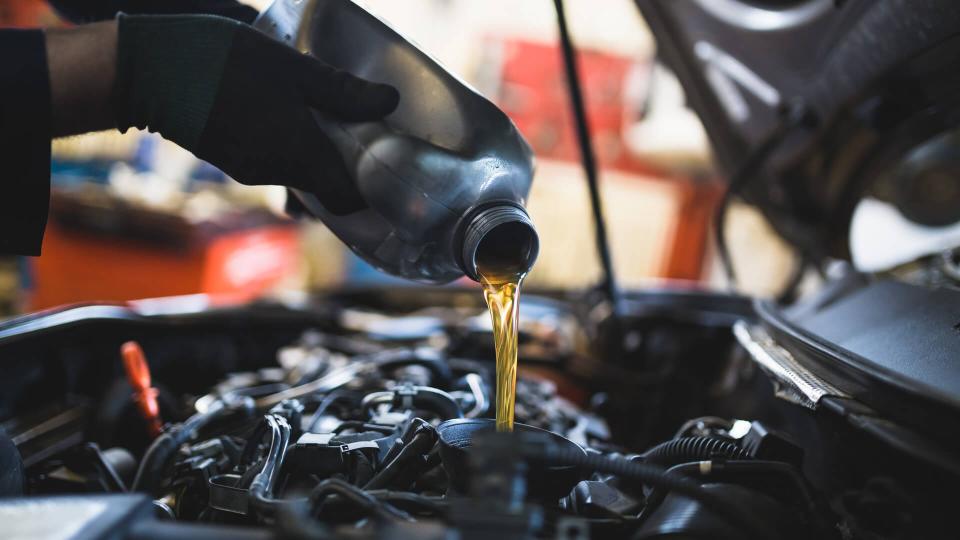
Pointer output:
683, 269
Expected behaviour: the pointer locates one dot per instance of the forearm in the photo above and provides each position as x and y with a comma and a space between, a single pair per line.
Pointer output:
82, 67
221, 89
24, 141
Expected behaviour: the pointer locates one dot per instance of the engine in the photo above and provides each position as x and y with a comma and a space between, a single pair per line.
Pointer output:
353, 418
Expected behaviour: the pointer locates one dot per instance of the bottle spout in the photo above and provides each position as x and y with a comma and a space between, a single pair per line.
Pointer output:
500, 243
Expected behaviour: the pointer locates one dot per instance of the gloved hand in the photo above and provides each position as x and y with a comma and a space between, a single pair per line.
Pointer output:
242, 101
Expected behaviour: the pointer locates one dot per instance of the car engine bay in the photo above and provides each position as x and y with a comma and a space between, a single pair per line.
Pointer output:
669, 412
366, 414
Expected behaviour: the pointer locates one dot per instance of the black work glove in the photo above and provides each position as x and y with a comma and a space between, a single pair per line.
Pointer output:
242, 101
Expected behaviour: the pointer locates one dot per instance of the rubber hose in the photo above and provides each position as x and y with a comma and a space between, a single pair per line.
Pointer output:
653, 475
420, 444
359, 497
440, 373
163, 449
261, 488
420, 397
687, 449
435, 400
154, 461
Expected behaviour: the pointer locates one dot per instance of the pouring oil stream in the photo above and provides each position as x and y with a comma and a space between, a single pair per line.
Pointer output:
503, 301
502, 246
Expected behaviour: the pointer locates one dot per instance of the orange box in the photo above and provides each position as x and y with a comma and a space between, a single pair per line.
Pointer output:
85, 266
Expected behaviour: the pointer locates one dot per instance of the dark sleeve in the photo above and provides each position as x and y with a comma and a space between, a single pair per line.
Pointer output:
83, 11
24, 141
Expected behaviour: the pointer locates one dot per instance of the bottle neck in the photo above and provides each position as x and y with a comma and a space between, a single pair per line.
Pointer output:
499, 242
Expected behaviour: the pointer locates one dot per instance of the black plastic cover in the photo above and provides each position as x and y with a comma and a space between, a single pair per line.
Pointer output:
892, 346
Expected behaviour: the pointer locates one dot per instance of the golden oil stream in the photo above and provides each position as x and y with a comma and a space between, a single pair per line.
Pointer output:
503, 300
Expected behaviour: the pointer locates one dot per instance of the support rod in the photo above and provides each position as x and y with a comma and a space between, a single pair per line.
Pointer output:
609, 284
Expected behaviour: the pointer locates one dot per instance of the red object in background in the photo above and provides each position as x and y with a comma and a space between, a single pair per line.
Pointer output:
144, 395
534, 93
27, 14
688, 253
83, 266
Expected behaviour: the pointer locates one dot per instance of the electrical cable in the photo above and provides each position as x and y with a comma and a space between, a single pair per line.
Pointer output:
609, 285
432, 505
687, 449
350, 492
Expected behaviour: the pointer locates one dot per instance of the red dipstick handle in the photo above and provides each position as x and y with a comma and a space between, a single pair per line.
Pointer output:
144, 395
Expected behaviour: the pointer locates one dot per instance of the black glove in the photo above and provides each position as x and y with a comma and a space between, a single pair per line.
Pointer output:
242, 101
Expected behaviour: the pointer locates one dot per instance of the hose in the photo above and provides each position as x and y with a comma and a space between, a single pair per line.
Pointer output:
154, 461
261, 491
350, 492
420, 397
163, 449
650, 474
380, 503
405, 457
326, 403
261, 488
687, 449
739, 468
480, 401
358, 425
440, 373
413, 501
249, 454
775, 468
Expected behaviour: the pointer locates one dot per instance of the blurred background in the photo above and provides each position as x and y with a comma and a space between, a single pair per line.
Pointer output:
134, 216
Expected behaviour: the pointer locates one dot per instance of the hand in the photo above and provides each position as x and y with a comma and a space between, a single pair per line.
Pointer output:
242, 101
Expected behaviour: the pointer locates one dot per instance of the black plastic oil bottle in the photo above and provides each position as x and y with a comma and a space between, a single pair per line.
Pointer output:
445, 176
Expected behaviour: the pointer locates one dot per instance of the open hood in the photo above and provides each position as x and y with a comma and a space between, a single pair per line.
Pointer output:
833, 101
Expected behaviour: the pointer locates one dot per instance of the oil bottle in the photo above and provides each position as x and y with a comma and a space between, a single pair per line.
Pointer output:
445, 176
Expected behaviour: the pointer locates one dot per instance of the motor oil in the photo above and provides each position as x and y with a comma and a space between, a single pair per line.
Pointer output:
445, 176
503, 300
501, 275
